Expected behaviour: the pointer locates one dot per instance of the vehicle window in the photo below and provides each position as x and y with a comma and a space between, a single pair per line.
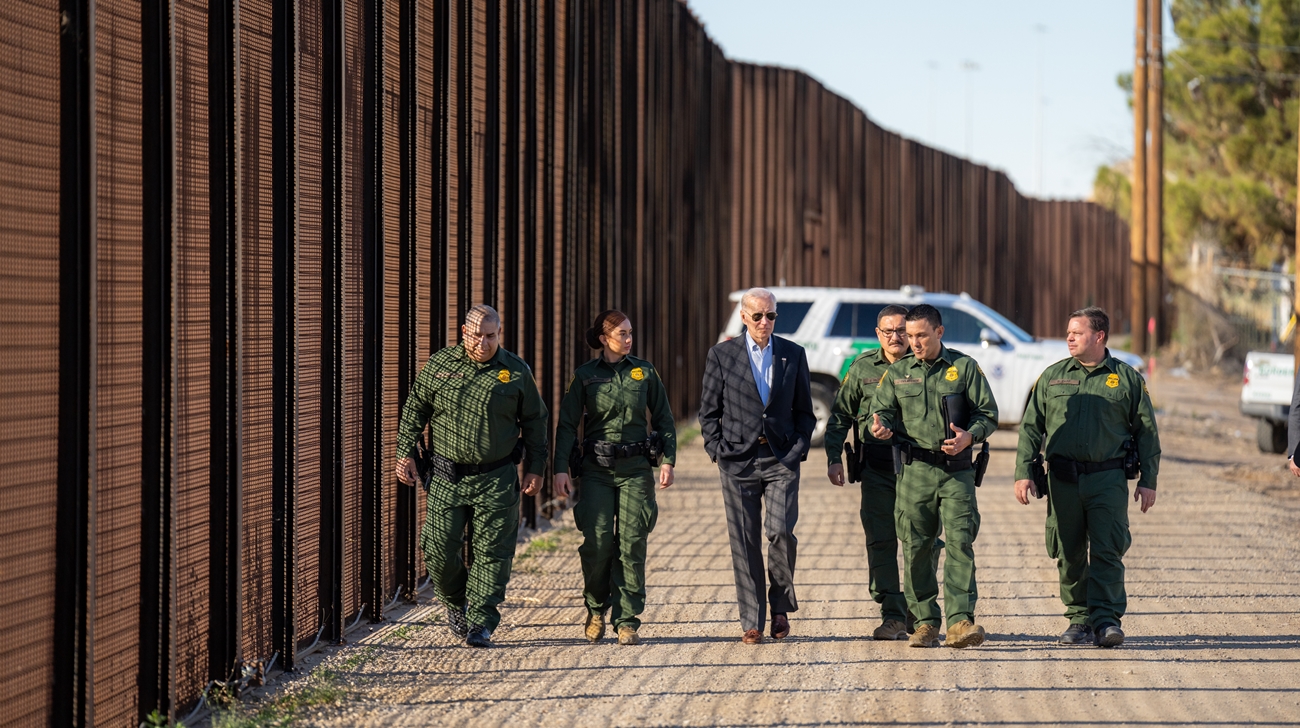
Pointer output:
791, 316
856, 320
959, 327
1016, 331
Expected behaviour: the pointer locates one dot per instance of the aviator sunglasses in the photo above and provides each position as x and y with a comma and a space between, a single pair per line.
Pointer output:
756, 317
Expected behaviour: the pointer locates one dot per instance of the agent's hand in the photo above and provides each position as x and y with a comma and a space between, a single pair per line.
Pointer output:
836, 474
879, 431
960, 441
563, 486
665, 476
407, 472
1295, 469
1024, 489
1146, 495
532, 484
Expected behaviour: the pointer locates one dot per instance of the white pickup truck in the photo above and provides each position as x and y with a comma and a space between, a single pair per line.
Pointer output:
1266, 395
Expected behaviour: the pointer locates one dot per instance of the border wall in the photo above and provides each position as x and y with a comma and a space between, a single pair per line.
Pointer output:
232, 231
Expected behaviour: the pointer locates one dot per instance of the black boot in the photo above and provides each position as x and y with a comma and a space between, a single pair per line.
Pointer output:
1109, 635
479, 636
1076, 634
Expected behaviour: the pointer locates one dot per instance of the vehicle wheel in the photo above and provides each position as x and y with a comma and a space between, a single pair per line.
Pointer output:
823, 398
1270, 436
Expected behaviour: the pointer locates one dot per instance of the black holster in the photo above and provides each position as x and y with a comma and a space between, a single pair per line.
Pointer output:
423, 462
981, 463
1132, 463
575, 460
853, 458
655, 448
1038, 474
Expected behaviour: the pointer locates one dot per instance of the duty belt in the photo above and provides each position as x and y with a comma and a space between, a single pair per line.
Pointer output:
1070, 470
453, 471
963, 461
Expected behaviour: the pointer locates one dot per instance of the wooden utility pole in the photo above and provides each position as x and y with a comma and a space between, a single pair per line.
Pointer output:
1155, 177
1138, 194
1295, 283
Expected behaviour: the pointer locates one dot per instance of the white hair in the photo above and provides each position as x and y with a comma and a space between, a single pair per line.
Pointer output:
755, 294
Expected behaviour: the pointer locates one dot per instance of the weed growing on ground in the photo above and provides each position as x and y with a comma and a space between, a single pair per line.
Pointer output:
687, 435
547, 543
318, 689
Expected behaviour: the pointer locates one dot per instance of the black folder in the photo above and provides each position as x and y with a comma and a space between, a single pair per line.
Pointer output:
956, 411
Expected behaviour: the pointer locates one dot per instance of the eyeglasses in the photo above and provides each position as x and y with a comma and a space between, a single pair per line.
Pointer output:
891, 333
756, 317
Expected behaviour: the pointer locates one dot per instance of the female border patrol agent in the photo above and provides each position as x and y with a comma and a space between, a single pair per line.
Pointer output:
616, 510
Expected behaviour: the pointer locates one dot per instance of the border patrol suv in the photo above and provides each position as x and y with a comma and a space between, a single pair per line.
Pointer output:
836, 324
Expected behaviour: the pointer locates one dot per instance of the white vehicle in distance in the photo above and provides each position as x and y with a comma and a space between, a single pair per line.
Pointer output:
836, 324
1266, 384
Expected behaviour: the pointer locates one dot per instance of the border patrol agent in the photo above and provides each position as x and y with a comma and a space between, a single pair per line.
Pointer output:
617, 509
1092, 416
874, 469
937, 487
477, 399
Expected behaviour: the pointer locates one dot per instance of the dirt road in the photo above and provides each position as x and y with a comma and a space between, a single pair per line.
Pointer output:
1213, 623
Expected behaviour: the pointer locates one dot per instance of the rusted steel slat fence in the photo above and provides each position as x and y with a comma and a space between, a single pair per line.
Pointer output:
232, 231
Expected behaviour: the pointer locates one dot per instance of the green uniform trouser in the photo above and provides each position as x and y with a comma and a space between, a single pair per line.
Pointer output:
930, 498
616, 513
1087, 534
879, 489
491, 503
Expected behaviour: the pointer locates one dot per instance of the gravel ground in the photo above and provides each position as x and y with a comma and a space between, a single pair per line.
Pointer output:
1213, 623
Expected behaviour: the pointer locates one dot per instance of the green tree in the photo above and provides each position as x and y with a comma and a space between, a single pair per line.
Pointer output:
1231, 108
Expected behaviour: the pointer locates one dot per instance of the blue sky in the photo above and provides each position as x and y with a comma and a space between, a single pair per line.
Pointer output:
901, 62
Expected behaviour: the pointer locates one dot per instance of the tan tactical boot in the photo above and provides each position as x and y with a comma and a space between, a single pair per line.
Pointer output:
926, 635
627, 635
964, 634
595, 626
892, 629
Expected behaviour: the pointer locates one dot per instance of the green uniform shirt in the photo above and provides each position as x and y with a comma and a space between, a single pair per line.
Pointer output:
1088, 416
857, 389
475, 411
908, 398
615, 398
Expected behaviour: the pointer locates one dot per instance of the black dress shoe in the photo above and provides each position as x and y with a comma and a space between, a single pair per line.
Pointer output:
479, 636
780, 626
1109, 635
1076, 634
456, 622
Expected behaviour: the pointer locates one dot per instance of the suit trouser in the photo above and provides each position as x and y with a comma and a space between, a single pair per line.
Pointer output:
616, 512
930, 498
764, 478
491, 502
1088, 535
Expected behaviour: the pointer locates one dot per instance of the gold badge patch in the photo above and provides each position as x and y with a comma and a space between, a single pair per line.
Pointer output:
1112, 380
503, 376
637, 374
951, 375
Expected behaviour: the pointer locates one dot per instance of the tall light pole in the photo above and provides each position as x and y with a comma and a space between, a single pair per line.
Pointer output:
1038, 114
1155, 176
970, 67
